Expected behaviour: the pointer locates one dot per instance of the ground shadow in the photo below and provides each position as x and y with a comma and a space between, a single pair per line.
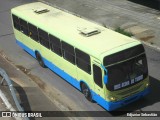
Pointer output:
155, 4
20, 94
148, 100
23, 98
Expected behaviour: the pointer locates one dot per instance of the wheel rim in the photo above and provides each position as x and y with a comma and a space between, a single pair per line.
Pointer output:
85, 91
39, 59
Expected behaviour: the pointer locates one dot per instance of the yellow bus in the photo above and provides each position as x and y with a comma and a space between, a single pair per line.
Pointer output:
107, 67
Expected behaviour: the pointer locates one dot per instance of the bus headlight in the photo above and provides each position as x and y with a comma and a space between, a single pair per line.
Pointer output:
111, 98
147, 84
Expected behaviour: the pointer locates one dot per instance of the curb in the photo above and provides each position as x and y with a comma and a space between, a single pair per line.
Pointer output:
154, 47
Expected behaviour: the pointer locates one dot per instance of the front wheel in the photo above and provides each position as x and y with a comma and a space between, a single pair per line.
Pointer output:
86, 92
40, 60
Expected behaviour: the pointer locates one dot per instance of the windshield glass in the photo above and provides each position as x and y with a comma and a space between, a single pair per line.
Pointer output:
127, 73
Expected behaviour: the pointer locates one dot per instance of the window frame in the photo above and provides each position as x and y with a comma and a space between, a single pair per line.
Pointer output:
85, 61
44, 38
33, 32
24, 26
97, 79
55, 45
16, 23
68, 52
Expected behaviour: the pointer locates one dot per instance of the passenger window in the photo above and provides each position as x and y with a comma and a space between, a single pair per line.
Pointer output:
68, 52
97, 74
33, 33
55, 44
83, 61
44, 38
16, 22
24, 27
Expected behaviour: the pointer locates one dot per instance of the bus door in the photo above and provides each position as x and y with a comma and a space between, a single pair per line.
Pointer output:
98, 80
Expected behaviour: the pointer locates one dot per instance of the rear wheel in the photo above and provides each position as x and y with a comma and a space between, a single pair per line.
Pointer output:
40, 60
86, 92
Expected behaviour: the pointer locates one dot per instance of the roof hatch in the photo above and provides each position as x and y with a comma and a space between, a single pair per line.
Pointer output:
41, 10
89, 31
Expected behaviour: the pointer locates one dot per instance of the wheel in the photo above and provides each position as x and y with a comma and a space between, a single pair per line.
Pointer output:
86, 92
40, 60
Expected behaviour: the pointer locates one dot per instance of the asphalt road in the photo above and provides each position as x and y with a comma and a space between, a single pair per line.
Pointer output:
20, 57
118, 13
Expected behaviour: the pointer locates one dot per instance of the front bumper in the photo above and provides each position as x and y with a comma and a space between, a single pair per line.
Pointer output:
110, 106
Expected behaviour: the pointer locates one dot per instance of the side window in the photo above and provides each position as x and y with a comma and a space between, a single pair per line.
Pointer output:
55, 44
33, 33
97, 74
43, 38
16, 22
24, 27
83, 61
68, 52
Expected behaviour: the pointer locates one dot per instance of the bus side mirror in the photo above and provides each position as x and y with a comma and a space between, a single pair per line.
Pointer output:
105, 79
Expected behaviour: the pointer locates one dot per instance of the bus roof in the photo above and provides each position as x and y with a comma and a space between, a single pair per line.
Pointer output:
88, 36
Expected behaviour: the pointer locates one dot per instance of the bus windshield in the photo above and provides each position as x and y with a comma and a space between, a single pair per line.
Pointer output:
127, 73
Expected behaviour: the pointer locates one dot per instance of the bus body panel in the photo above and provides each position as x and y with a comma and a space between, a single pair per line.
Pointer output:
110, 106
111, 42
56, 25
98, 90
53, 67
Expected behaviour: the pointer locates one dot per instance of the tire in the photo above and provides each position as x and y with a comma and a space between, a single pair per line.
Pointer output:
40, 60
86, 92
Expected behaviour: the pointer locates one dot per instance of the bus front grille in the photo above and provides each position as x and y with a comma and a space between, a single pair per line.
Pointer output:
130, 90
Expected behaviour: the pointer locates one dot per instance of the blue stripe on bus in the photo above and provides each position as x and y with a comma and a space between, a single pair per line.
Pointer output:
51, 66
110, 106
27, 49
61, 73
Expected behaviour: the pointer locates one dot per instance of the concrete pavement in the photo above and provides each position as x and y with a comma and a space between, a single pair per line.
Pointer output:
3, 108
30, 95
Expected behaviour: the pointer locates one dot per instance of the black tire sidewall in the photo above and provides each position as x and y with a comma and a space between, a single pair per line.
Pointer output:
89, 96
40, 60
